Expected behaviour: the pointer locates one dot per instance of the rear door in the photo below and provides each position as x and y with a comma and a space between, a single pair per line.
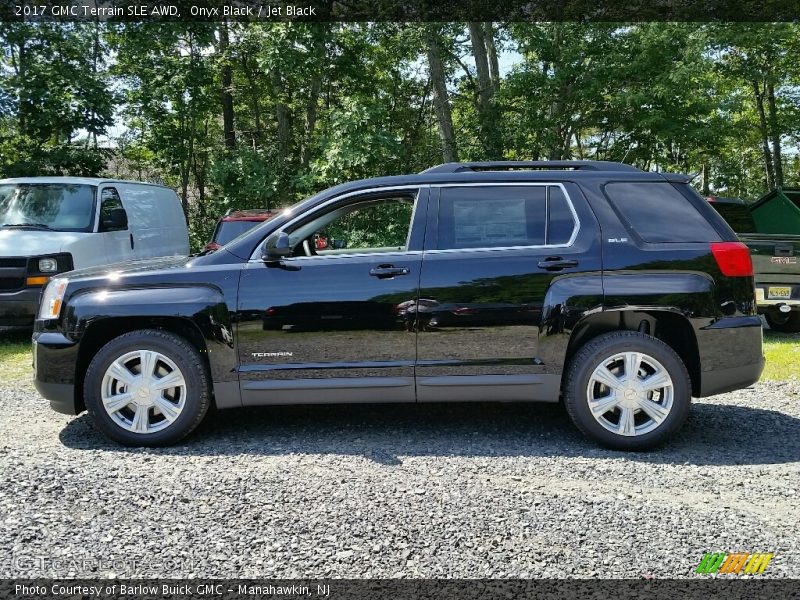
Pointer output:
491, 324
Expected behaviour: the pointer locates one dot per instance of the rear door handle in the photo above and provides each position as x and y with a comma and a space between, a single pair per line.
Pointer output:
387, 271
556, 263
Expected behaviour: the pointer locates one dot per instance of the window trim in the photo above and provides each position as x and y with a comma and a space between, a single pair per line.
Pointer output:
256, 256
568, 244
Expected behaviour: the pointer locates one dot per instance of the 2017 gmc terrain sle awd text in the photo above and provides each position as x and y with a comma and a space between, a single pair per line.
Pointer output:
620, 292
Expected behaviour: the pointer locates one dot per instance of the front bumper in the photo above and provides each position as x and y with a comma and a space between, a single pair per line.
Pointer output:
731, 354
18, 309
54, 359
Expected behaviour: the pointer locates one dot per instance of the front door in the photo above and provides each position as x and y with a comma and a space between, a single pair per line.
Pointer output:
336, 322
117, 236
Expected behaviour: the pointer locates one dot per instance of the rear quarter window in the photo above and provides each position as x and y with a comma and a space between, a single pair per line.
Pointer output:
658, 213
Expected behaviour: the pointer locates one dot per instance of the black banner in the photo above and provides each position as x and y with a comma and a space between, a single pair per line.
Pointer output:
402, 589
402, 10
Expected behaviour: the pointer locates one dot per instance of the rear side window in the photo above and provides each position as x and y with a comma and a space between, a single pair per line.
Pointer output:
503, 216
659, 213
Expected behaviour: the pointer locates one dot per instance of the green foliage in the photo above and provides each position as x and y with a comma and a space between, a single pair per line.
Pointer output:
310, 105
55, 89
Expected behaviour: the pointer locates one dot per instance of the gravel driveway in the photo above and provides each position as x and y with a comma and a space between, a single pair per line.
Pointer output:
399, 491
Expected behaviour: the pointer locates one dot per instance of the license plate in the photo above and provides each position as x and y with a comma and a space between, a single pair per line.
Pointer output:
779, 293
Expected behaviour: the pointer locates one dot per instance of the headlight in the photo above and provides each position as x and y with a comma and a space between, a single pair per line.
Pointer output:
48, 265
52, 298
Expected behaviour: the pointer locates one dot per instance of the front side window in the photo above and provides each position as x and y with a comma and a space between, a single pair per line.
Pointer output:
56, 206
367, 226
504, 216
112, 214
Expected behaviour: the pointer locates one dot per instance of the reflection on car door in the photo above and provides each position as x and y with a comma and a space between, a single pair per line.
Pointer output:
492, 253
333, 325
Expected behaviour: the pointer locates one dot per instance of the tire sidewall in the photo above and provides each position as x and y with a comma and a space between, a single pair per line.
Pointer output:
600, 350
171, 347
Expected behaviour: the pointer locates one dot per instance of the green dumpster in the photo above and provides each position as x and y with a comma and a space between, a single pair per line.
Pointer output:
778, 211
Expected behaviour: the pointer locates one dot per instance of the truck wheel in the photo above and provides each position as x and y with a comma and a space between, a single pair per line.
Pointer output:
147, 388
627, 390
790, 325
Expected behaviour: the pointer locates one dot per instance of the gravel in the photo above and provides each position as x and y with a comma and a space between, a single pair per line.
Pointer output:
456, 490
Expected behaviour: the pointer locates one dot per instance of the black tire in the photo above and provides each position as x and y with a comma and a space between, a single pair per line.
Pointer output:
790, 325
603, 348
187, 359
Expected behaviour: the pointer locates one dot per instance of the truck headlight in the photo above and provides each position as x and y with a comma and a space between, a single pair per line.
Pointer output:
48, 265
53, 298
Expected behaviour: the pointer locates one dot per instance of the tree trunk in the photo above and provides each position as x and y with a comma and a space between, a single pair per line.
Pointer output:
319, 52
281, 114
762, 119
491, 52
706, 183
255, 108
775, 133
311, 121
441, 102
229, 134
488, 132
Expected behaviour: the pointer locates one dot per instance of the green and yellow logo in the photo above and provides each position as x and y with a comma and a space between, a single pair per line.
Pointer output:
734, 562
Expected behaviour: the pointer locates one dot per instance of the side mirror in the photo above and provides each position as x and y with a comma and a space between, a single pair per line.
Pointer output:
276, 247
114, 220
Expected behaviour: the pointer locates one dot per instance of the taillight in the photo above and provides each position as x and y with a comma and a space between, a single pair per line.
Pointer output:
733, 258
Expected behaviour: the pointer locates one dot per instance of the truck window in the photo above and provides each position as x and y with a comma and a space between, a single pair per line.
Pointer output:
738, 216
56, 206
659, 213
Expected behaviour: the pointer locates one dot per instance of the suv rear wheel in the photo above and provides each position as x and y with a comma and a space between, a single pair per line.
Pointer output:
627, 390
147, 388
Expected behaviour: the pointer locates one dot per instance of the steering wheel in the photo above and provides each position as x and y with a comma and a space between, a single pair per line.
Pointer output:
309, 247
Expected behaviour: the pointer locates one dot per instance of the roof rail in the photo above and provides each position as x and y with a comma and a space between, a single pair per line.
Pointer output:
544, 165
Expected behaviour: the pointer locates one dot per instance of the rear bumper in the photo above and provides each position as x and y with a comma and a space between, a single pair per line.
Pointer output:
54, 361
18, 309
767, 302
731, 354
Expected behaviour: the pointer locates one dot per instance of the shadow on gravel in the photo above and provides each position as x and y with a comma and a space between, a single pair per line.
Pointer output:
715, 434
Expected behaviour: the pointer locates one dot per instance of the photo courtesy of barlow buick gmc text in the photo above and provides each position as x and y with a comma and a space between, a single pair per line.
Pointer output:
364, 300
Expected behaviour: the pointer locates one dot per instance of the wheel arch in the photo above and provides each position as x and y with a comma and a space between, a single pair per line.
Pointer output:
671, 327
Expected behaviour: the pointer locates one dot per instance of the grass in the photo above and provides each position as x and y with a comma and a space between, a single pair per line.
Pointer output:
783, 356
15, 356
782, 352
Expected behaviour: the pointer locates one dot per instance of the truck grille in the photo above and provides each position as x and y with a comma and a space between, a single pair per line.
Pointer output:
12, 273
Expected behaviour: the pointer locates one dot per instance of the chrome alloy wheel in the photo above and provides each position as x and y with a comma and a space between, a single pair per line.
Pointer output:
630, 393
143, 391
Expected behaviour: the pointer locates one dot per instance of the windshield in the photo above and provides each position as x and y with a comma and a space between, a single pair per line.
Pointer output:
56, 206
229, 230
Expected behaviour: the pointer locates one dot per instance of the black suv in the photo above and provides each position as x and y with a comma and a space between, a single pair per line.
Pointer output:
619, 291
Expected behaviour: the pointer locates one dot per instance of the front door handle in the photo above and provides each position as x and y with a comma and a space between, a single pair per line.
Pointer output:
556, 263
388, 271
131, 241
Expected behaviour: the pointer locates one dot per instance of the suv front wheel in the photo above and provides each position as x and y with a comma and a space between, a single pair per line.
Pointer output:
627, 390
147, 388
